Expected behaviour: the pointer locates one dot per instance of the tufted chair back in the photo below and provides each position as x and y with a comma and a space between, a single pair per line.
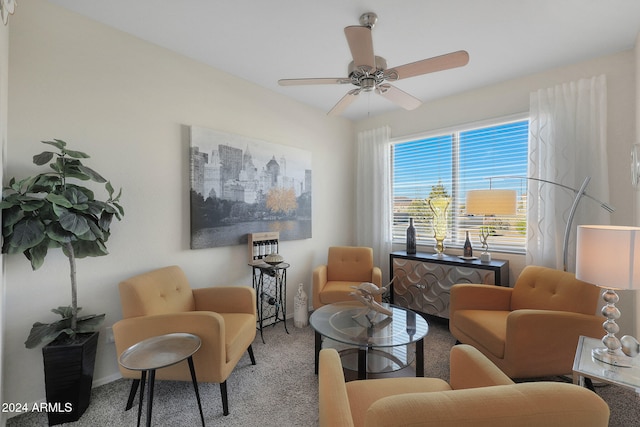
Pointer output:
541, 288
350, 263
162, 291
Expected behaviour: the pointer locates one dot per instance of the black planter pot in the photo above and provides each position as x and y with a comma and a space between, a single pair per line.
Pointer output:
68, 373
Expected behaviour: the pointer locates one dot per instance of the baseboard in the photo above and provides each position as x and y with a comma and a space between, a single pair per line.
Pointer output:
106, 380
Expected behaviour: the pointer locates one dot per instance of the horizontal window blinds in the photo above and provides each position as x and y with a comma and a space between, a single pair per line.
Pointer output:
450, 165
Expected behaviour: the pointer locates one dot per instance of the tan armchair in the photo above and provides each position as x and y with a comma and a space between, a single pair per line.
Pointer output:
478, 395
532, 329
346, 266
161, 302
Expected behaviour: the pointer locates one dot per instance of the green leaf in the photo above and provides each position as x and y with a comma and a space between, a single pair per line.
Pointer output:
11, 216
58, 143
76, 197
59, 200
65, 312
96, 230
77, 224
43, 158
56, 233
26, 234
42, 333
95, 176
87, 193
89, 235
32, 205
27, 185
109, 188
76, 154
89, 323
85, 248
105, 220
46, 183
120, 209
37, 255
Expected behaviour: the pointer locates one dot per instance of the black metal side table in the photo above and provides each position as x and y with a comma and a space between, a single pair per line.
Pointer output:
270, 283
160, 352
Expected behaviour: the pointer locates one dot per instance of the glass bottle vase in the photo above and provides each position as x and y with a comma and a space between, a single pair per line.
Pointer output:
411, 238
439, 206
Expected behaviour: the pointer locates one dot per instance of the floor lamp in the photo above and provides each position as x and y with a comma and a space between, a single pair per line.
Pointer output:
578, 195
609, 256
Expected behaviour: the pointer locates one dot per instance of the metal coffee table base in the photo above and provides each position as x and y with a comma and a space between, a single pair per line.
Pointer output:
363, 353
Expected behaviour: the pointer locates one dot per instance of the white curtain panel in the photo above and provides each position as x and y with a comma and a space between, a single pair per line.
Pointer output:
567, 142
373, 195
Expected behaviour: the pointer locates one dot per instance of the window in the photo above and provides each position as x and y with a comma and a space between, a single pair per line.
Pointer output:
451, 163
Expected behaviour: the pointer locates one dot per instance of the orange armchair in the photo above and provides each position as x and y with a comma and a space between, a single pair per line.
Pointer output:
161, 302
346, 266
478, 394
532, 329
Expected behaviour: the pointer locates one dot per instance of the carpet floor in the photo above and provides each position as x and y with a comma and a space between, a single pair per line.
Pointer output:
280, 390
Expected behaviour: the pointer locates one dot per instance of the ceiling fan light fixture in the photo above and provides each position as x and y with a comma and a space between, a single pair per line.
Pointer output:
367, 84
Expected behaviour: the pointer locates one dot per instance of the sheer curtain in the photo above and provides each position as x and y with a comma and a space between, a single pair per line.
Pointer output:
373, 195
567, 142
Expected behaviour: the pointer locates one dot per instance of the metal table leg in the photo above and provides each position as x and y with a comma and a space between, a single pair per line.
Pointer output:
318, 346
152, 380
195, 386
362, 363
420, 358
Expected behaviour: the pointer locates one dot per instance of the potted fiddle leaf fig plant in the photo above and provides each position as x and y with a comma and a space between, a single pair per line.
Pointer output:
51, 210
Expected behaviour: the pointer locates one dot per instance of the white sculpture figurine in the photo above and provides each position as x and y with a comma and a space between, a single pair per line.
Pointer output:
366, 292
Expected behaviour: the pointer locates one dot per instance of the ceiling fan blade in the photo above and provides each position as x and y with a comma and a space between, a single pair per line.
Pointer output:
430, 65
361, 46
320, 81
398, 97
344, 102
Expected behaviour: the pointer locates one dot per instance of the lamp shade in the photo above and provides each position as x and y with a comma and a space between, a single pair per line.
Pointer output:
608, 256
491, 202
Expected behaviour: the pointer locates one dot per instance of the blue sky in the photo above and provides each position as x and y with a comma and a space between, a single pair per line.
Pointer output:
499, 150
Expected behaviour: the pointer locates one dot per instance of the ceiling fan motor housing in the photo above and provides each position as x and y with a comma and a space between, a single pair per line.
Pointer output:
368, 19
366, 78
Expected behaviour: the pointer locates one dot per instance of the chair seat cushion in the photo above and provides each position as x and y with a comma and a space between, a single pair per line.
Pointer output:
336, 291
485, 326
362, 394
239, 333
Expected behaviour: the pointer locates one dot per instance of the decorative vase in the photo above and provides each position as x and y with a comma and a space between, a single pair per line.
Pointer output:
68, 373
411, 238
439, 206
301, 308
468, 249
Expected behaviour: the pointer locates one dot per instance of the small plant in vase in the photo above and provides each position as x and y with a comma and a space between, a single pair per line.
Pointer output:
51, 210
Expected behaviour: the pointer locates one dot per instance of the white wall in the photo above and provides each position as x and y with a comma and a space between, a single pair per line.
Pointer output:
128, 104
512, 97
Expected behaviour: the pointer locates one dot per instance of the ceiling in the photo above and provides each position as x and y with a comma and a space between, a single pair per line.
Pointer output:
262, 41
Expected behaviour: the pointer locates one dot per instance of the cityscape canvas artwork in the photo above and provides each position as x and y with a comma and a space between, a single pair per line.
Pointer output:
241, 185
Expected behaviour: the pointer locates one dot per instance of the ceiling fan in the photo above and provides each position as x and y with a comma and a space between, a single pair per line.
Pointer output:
369, 72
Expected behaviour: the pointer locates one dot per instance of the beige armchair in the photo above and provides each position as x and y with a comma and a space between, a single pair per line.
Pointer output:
161, 302
478, 395
532, 329
346, 266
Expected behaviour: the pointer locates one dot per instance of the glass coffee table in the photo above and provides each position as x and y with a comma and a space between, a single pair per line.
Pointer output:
373, 342
586, 368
